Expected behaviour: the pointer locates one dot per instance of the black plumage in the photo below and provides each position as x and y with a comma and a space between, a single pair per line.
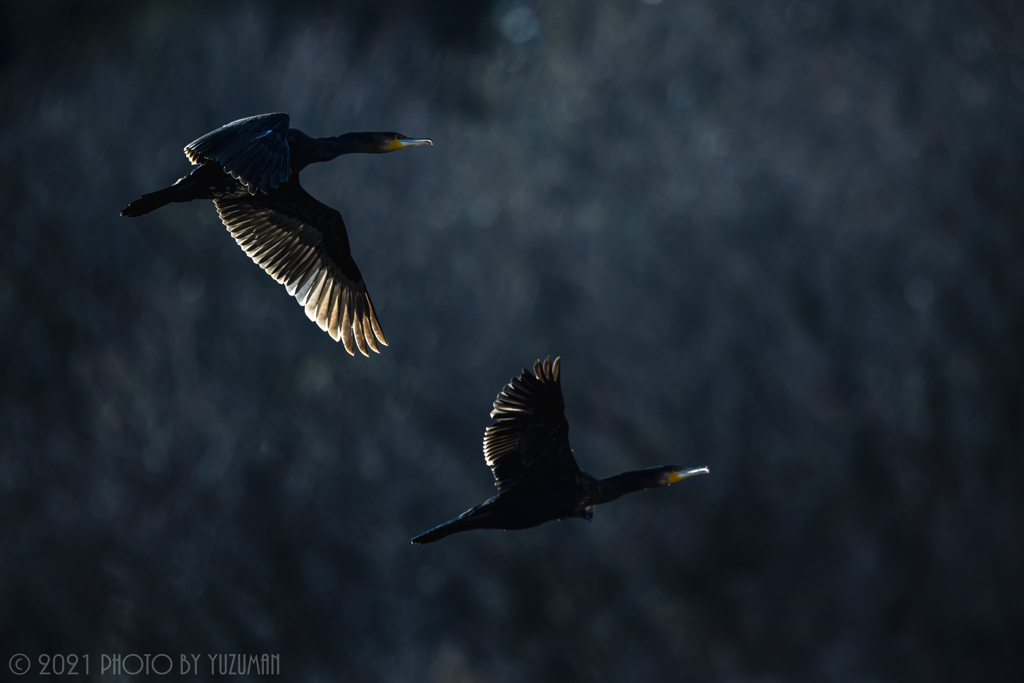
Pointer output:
250, 169
534, 469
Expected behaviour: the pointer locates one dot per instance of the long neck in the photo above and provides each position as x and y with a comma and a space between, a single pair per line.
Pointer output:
611, 488
363, 143
306, 150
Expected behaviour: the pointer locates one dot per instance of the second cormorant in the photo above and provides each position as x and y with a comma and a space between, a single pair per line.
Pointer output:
250, 169
536, 474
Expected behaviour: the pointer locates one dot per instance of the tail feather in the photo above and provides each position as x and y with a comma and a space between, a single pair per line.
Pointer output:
467, 520
149, 202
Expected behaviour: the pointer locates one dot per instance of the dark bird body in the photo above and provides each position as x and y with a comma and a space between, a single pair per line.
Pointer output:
250, 169
534, 469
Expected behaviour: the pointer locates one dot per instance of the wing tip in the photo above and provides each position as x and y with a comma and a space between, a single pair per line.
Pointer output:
374, 323
547, 370
517, 398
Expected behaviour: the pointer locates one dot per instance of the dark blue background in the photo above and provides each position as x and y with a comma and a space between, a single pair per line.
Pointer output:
780, 239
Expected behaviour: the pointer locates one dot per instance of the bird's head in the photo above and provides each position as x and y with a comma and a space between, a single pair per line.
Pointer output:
389, 142
670, 474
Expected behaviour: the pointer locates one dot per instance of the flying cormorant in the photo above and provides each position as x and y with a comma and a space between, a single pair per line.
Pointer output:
537, 477
250, 169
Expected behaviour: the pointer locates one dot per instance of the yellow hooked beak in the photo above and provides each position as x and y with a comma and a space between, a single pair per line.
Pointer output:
679, 476
407, 142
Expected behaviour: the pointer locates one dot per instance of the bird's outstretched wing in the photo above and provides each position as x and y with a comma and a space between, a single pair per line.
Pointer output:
530, 438
303, 245
253, 150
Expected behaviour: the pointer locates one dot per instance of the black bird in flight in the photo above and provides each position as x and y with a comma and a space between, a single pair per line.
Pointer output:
537, 477
250, 169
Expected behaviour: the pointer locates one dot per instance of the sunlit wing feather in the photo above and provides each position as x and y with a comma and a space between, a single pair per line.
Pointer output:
294, 251
530, 437
253, 150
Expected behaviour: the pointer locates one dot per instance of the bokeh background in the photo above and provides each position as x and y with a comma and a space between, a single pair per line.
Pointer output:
781, 239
